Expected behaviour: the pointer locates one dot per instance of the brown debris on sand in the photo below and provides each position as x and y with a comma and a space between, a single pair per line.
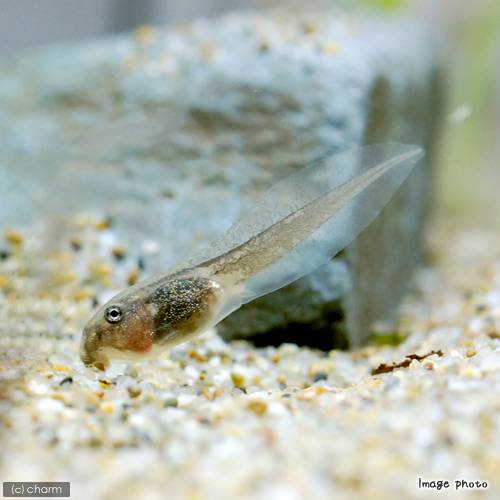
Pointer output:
385, 368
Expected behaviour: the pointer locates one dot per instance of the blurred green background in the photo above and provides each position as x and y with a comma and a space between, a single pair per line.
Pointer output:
470, 150
467, 190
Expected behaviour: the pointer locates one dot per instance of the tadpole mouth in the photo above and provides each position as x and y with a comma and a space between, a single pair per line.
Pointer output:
91, 361
90, 352
99, 364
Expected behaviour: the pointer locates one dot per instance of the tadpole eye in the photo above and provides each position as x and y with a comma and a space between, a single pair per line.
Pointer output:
113, 314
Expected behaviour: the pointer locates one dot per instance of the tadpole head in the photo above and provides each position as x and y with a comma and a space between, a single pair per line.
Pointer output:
119, 329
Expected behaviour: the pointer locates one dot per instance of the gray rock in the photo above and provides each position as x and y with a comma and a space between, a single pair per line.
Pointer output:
172, 132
